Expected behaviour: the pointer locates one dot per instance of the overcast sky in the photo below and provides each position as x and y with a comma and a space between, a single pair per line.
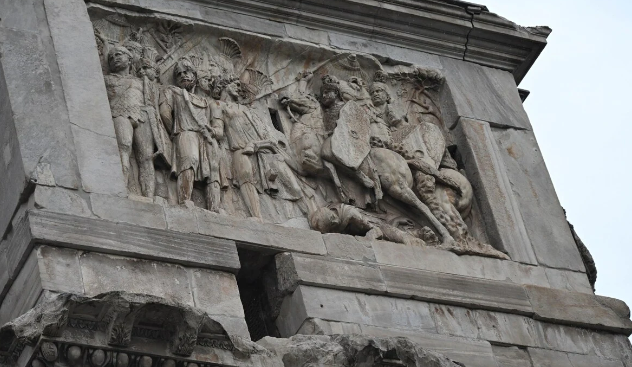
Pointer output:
580, 103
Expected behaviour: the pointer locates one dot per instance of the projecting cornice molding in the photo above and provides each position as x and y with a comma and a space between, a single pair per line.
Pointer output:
454, 29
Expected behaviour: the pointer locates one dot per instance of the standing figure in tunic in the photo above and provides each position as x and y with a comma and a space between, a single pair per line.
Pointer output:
255, 154
186, 116
131, 124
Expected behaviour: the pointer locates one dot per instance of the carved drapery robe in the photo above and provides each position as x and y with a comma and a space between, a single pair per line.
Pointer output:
186, 116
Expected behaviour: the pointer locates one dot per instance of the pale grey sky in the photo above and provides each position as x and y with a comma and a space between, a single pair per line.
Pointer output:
581, 89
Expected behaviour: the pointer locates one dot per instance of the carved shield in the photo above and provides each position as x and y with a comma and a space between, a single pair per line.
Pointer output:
350, 140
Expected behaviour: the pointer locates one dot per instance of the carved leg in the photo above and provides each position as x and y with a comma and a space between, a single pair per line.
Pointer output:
403, 193
144, 149
334, 176
251, 197
213, 196
245, 176
124, 137
185, 185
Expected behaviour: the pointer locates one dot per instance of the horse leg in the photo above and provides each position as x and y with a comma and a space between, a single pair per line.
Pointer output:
405, 194
334, 176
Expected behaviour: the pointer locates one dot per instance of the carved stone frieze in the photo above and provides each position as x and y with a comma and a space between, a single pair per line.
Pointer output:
248, 126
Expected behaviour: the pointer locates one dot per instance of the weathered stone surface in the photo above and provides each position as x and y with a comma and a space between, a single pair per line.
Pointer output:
13, 181
124, 210
61, 200
335, 305
59, 269
543, 216
432, 259
511, 356
499, 207
216, 292
307, 34
505, 328
99, 162
574, 308
107, 273
484, 93
85, 96
579, 360
126, 239
568, 280
24, 291
250, 232
548, 358
494, 327
339, 274
454, 289
181, 219
348, 247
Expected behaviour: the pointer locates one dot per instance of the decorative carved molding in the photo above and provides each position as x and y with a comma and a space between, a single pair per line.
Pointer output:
119, 318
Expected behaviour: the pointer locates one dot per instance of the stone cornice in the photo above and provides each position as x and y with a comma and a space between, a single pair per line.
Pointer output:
455, 29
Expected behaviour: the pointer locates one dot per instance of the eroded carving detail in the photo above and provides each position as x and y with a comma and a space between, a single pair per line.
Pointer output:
337, 140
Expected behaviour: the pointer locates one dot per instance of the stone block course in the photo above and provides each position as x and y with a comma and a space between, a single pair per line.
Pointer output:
330, 304
432, 259
130, 240
575, 308
105, 273
311, 270
455, 289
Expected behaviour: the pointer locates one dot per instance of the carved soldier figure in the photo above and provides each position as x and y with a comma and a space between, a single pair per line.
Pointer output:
133, 130
347, 127
187, 117
207, 79
385, 118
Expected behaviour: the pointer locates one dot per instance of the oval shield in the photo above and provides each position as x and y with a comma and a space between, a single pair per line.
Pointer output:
350, 139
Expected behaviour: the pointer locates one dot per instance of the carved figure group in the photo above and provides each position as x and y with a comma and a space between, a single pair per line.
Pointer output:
349, 148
